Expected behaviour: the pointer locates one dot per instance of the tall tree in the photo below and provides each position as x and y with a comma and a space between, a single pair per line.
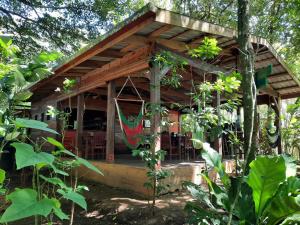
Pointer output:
276, 20
57, 24
246, 58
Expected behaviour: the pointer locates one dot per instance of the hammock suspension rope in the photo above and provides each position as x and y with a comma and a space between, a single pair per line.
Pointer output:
132, 128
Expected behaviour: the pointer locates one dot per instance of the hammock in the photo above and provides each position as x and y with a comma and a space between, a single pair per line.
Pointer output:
273, 137
132, 128
261, 76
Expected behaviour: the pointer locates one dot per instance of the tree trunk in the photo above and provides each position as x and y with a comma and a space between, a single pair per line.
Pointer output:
248, 85
249, 93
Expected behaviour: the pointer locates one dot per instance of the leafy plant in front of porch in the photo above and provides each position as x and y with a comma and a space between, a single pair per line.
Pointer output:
153, 157
269, 194
49, 170
155, 173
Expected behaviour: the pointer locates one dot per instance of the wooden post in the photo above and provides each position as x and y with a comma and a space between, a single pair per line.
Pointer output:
79, 129
216, 104
155, 103
278, 124
110, 124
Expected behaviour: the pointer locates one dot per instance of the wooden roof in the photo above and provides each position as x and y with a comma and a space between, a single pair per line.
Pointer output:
130, 41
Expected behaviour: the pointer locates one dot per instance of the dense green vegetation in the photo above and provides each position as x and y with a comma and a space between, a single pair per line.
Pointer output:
49, 170
263, 190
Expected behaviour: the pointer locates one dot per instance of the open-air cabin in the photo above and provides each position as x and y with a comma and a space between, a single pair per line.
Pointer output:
101, 70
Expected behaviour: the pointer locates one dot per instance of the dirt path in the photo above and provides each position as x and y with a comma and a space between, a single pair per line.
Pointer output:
111, 206
114, 206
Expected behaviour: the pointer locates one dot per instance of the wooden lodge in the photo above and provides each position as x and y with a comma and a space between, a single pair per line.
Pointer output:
101, 70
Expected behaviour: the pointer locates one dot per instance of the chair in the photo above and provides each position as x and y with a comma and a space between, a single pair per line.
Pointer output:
175, 148
69, 141
188, 146
165, 142
86, 144
170, 145
98, 144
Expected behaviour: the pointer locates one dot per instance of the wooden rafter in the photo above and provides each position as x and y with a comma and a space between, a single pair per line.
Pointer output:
196, 63
160, 30
129, 57
107, 43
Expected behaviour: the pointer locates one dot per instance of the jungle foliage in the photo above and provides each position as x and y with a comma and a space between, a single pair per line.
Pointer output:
49, 169
269, 194
60, 25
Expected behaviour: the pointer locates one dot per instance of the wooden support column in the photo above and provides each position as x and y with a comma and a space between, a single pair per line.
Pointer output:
110, 124
278, 124
79, 129
155, 103
216, 104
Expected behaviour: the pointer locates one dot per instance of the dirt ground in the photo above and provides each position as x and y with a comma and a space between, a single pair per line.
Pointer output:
112, 206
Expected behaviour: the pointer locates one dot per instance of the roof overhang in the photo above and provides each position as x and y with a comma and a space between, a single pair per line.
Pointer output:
175, 31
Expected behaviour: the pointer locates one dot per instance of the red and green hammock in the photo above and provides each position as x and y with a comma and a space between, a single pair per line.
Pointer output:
131, 127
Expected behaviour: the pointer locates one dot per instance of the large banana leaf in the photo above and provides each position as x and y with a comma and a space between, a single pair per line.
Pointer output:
265, 176
214, 160
286, 202
244, 208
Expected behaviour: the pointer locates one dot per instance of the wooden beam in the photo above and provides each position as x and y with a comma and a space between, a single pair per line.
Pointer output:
110, 124
287, 88
197, 63
159, 31
111, 53
108, 42
269, 90
128, 58
291, 95
175, 19
79, 129
68, 74
179, 34
279, 77
175, 45
92, 64
102, 77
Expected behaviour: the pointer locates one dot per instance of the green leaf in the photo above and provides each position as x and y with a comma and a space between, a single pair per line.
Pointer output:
201, 195
69, 153
244, 208
55, 181
33, 124
73, 196
2, 176
56, 143
83, 162
25, 204
266, 174
23, 96
292, 220
214, 160
60, 214
58, 171
286, 202
88, 165
57, 210
219, 195
26, 156
12, 136
291, 166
